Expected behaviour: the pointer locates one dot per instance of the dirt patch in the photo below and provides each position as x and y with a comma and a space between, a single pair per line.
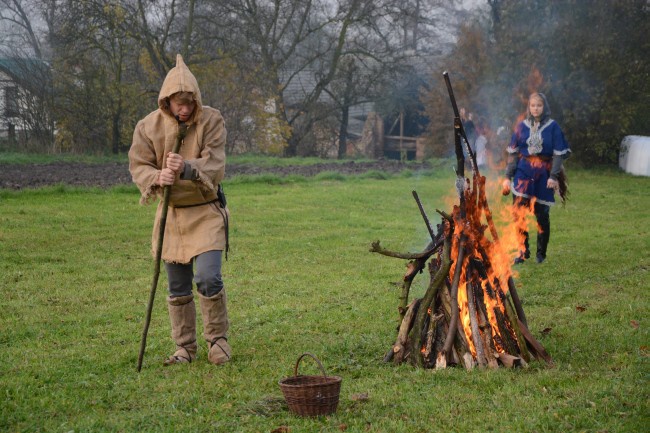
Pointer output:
19, 176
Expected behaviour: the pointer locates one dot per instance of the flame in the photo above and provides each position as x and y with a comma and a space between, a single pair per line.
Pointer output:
535, 80
537, 162
494, 304
464, 316
511, 222
497, 256
534, 84
520, 118
494, 239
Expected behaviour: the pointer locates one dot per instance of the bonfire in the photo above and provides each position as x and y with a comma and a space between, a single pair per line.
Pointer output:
470, 314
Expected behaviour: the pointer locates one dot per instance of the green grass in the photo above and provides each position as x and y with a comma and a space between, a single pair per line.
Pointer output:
273, 161
76, 274
8, 157
42, 158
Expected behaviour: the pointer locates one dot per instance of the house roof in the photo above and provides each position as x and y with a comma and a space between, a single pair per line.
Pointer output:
27, 72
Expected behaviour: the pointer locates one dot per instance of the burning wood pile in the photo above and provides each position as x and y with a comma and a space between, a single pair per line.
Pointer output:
470, 314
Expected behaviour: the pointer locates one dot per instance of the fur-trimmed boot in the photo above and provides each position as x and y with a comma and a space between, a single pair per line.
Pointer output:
215, 327
182, 313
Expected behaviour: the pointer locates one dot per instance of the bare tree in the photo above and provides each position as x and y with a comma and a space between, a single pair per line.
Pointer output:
299, 46
309, 60
93, 62
20, 33
24, 61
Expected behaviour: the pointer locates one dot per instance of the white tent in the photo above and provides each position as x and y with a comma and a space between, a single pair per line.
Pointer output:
635, 155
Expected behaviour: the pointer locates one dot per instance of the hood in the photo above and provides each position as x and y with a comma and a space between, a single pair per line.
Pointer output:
180, 79
546, 114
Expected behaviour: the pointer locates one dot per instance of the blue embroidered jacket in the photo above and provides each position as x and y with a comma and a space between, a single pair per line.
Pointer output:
547, 141
536, 148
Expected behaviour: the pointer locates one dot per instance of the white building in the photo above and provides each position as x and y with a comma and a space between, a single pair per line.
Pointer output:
22, 82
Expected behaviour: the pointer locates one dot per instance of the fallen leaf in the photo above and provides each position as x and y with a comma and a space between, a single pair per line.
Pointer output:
634, 324
580, 308
546, 331
343, 427
282, 429
359, 397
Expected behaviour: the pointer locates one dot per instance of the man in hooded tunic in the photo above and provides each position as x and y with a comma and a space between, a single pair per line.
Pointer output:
196, 226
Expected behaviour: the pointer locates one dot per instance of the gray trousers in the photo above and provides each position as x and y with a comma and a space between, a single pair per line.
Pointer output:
204, 270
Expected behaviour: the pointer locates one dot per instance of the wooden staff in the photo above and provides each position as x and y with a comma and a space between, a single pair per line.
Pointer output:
182, 131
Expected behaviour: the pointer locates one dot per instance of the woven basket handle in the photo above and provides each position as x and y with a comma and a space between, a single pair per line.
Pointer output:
295, 370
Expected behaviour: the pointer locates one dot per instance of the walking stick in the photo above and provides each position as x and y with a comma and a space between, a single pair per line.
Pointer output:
182, 131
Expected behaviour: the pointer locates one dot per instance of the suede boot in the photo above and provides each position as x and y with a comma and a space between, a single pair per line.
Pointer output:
182, 313
215, 327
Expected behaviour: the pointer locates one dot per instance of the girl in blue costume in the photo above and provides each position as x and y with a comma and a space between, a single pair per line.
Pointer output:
535, 157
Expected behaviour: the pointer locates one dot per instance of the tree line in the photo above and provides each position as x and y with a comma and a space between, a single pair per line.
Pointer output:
591, 59
286, 73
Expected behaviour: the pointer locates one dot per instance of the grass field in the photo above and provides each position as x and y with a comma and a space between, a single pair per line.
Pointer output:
76, 273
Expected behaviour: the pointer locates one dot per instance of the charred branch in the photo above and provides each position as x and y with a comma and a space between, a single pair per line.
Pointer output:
430, 250
429, 298
453, 322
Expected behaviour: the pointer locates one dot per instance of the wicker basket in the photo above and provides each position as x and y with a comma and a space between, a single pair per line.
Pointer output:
311, 395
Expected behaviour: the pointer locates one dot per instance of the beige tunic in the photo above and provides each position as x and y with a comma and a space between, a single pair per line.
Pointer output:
192, 230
